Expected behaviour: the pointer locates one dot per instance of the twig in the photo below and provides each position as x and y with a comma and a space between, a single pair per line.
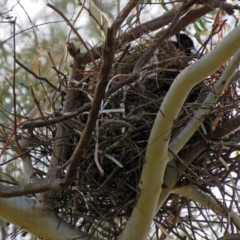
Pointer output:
233, 236
108, 57
14, 132
35, 75
38, 108
69, 34
30, 188
14, 83
76, 32
51, 59
92, 16
109, 17
26, 29
96, 150
165, 34
31, 22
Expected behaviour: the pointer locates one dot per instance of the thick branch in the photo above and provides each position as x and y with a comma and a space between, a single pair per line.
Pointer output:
194, 72
198, 118
26, 213
131, 35
162, 21
198, 147
31, 188
157, 151
230, 237
206, 200
108, 57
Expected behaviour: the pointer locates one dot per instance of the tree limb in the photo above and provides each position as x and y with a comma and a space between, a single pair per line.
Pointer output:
26, 213
157, 155
108, 56
218, 54
206, 200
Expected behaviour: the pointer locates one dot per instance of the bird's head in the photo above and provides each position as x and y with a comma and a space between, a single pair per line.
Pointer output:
185, 44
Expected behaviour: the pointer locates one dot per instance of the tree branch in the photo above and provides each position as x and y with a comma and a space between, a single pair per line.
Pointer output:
206, 200
230, 237
75, 31
156, 160
31, 188
108, 56
26, 213
35, 75
162, 21
179, 141
197, 72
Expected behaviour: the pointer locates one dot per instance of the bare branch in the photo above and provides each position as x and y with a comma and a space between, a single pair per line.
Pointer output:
35, 75
98, 96
75, 31
156, 161
28, 214
123, 14
109, 17
108, 56
206, 200
30, 188
230, 237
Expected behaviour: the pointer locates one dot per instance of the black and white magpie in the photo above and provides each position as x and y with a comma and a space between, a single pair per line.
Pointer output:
185, 44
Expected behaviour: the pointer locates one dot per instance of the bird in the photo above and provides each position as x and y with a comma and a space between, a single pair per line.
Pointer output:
185, 44
170, 53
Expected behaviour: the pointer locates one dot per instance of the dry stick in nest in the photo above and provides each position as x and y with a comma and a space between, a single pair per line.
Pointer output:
85, 107
66, 116
130, 36
108, 57
201, 145
162, 21
165, 34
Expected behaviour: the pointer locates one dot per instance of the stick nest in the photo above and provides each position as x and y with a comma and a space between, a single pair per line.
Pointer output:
105, 191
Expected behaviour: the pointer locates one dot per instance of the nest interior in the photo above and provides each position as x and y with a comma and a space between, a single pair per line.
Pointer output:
106, 188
